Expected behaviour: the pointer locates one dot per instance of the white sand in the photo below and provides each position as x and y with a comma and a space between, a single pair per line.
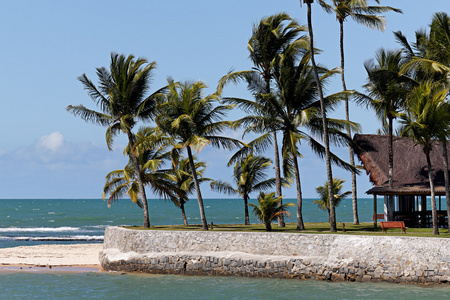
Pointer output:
52, 255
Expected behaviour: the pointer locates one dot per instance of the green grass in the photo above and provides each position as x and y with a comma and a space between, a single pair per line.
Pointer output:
311, 228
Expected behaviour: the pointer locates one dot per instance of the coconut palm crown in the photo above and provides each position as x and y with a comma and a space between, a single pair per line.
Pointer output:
322, 191
268, 209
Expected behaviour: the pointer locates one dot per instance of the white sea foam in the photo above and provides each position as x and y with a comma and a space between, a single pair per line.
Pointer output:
40, 229
60, 238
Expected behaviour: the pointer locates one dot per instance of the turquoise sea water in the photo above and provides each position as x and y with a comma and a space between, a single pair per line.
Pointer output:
43, 221
37, 221
131, 286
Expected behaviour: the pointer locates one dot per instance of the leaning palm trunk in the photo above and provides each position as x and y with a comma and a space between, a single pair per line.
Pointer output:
433, 197
324, 121
349, 133
300, 225
278, 178
197, 189
183, 213
140, 181
247, 218
446, 179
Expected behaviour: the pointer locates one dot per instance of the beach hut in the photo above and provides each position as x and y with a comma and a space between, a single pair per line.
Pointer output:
410, 179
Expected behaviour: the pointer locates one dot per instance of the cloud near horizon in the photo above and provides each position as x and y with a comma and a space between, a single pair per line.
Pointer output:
53, 167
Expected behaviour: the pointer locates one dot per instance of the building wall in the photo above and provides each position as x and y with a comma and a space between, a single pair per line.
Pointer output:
280, 255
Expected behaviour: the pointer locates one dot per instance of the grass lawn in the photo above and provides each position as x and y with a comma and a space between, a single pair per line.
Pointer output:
311, 228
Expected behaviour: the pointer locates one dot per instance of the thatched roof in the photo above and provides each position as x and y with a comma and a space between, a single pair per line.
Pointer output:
410, 166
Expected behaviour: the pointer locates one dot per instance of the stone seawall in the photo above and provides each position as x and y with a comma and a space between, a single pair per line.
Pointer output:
280, 255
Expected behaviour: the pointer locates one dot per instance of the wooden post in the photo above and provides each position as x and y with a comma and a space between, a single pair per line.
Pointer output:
375, 211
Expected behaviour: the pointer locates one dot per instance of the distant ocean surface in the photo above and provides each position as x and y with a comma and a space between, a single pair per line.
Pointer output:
46, 221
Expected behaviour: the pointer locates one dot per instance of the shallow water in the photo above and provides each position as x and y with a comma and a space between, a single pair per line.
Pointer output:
116, 286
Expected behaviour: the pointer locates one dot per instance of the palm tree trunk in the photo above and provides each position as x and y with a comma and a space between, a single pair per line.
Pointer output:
446, 179
278, 177
247, 218
183, 213
197, 189
324, 121
140, 181
433, 197
300, 225
349, 133
391, 169
277, 161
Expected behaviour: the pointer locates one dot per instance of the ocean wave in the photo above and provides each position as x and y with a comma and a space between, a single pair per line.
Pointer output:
40, 229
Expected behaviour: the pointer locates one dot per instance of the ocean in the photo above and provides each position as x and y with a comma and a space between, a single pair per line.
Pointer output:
45, 221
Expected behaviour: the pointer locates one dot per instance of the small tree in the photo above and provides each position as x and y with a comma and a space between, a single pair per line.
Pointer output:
324, 202
268, 209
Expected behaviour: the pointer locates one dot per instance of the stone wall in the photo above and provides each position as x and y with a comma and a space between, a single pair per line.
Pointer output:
280, 255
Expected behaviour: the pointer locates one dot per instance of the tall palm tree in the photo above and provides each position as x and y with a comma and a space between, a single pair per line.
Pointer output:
194, 122
388, 89
427, 116
429, 58
249, 175
324, 115
324, 202
268, 38
181, 176
268, 209
362, 13
121, 97
152, 155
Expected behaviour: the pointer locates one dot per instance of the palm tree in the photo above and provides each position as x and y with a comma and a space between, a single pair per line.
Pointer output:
428, 115
266, 43
181, 177
429, 58
152, 155
324, 202
324, 116
194, 122
388, 89
249, 176
297, 113
268, 209
362, 13
121, 97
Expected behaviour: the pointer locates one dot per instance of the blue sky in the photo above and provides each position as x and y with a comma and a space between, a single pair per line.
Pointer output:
47, 153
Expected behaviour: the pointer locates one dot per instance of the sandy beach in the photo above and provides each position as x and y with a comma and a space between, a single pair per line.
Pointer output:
73, 257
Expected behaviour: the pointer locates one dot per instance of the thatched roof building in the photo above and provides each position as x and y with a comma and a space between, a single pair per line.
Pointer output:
410, 175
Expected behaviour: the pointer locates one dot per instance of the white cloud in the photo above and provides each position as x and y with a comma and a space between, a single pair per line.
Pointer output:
53, 167
52, 142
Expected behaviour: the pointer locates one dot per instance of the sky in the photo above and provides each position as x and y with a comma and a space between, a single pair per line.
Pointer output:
45, 152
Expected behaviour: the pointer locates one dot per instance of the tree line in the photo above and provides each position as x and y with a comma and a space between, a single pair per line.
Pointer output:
288, 100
